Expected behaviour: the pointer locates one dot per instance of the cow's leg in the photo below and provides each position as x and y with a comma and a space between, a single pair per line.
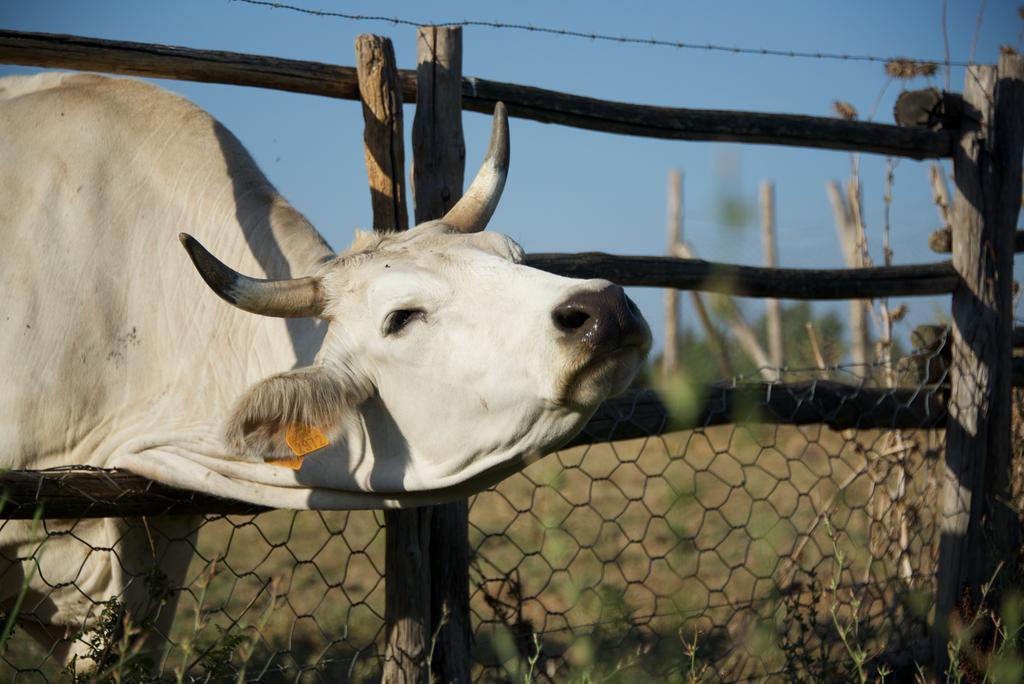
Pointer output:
60, 573
73, 570
153, 566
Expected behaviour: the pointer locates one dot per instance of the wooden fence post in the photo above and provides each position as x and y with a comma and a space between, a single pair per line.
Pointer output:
673, 327
439, 159
978, 528
773, 307
407, 557
381, 93
669, 357
848, 230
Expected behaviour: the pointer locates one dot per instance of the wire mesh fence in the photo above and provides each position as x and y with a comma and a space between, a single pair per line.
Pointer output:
266, 597
622, 555
730, 551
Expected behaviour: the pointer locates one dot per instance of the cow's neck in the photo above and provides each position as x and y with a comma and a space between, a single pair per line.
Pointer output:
296, 248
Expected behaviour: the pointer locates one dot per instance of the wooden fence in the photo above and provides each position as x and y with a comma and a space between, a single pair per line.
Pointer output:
984, 140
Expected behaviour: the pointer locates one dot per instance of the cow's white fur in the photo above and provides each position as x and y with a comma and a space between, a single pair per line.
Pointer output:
116, 354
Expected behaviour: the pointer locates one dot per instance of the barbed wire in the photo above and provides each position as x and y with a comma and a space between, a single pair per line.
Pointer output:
605, 37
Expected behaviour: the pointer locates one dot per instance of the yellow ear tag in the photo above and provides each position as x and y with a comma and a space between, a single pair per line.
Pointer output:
302, 440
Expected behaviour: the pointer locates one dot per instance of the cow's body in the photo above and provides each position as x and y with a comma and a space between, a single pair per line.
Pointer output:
152, 352
105, 339
116, 354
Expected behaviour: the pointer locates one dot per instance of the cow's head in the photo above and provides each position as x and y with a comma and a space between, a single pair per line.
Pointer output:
443, 352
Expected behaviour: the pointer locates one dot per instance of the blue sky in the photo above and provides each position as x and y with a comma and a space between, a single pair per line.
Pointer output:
572, 190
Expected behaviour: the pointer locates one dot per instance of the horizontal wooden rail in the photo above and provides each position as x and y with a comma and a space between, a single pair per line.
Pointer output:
183, 64
754, 281
840, 406
95, 493
78, 492
675, 123
317, 78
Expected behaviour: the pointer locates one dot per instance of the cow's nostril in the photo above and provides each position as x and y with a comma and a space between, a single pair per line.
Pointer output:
570, 319
601, 320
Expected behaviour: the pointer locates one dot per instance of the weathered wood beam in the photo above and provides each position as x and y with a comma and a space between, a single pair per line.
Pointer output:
127, 58
407, 531
548, 106
753, 281
979, 528
480, 95
72, 493
838, 405
438, 168
384, 147
928, 108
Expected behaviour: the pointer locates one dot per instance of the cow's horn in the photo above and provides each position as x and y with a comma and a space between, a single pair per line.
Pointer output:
292, 298
471, 213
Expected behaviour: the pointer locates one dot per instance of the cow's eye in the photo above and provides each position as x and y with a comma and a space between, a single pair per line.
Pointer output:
399, 318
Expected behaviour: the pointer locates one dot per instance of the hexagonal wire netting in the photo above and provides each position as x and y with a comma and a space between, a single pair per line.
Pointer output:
710, 551
729, 551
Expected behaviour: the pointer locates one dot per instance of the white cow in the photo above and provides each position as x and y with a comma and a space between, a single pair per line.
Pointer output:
412, 368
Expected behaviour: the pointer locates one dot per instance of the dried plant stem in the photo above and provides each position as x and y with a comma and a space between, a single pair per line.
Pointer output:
895, 438
738, 326
819, 359
849, 242
940, 193
884, 353
977, 30
714, 337
945, 45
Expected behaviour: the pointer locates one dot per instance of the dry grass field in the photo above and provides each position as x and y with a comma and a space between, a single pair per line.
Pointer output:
706, 552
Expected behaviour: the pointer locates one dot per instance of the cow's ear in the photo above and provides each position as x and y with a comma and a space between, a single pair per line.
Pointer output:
289, 415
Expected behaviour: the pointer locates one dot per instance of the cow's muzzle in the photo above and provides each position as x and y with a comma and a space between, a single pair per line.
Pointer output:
602, 321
